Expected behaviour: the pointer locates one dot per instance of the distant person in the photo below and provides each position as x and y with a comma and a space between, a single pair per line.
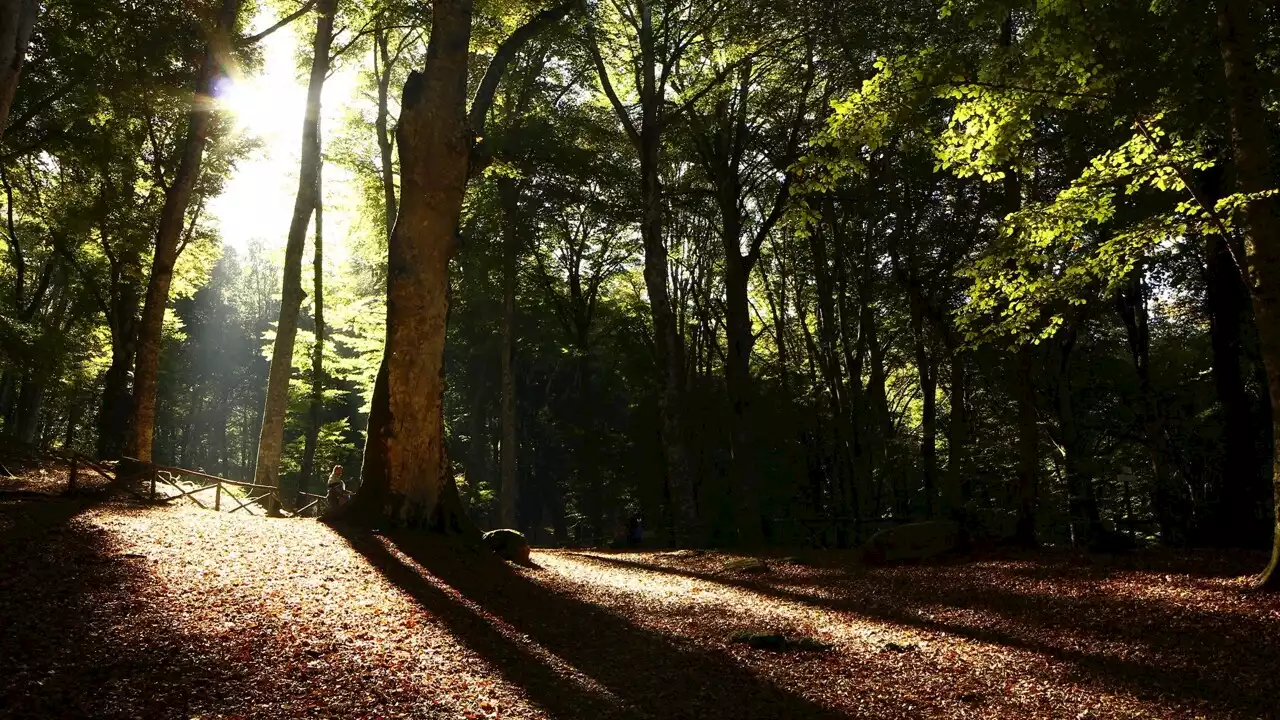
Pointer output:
635, 531
337, 490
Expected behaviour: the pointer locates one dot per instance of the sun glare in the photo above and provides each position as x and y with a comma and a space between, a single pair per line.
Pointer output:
267, 107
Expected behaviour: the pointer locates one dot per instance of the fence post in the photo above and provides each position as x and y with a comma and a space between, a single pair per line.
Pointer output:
217, 497
71, 479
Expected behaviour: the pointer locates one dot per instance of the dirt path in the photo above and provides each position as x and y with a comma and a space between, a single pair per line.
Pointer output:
113, 611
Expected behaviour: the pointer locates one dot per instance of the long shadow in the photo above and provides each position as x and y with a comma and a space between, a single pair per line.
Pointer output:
1226, 661
84, 632
67, 615
640, 673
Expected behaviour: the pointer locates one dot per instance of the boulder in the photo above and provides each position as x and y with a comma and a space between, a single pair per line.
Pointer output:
912, 542
508, 544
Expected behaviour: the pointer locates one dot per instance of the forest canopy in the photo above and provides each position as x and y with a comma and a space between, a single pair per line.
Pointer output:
748, 271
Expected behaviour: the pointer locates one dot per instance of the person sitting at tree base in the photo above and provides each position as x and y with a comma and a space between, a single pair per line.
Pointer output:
337, 490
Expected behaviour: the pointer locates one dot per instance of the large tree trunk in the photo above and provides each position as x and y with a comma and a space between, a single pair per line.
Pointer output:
406, 424
271, 438
173, 217
30, 402
434, 145
17, 19
509, 497
1252, 150
315, 411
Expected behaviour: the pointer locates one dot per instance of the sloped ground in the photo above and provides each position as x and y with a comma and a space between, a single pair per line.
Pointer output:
109, 610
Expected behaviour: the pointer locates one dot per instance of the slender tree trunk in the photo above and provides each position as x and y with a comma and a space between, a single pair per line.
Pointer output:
1131, 305
17, 20
75, 409
315, 411
509, 498
30, 402
387, 163
1082, 506
271, 438
929, 405
1254, 173
953, 491
1227, 301
1027, 483
173, 217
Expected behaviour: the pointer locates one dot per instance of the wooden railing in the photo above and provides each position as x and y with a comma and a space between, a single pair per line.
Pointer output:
155, 473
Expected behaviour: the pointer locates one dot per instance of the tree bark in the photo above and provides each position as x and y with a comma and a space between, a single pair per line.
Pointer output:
669, 348
382, 58
1082, 506
173, 217
271, 437
1131, 305
1227, 298
17, 20
1027, 483
315, 411
434, 147
953, 490
435, 141
509, 498
1252, 150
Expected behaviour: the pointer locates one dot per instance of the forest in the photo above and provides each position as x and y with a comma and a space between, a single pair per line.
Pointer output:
835, 359
751, 271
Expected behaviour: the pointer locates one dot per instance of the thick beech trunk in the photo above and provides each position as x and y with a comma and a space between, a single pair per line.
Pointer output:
1252, 150
169, 231
271, 437
434, 149
407, 477
17, 20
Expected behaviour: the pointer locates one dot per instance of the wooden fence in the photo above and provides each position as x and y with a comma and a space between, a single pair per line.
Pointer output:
156, 474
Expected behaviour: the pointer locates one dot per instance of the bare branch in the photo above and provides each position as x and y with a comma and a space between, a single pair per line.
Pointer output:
254, 39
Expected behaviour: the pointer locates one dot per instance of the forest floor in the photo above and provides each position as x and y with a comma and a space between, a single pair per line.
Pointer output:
109, 609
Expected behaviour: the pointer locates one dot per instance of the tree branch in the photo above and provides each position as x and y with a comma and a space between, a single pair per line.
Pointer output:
254, 39
607, 85
502, 58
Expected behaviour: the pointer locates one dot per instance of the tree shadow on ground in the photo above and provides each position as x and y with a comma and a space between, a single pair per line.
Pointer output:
1224, 660
87, 631
69, 619
626, 671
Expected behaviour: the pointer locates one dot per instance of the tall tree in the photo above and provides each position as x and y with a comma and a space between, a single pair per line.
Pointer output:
17, 20
315, 407
173, 218
436, 138
1256, 178
271, 438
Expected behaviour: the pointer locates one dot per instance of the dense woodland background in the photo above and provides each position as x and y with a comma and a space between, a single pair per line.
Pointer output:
809, 264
